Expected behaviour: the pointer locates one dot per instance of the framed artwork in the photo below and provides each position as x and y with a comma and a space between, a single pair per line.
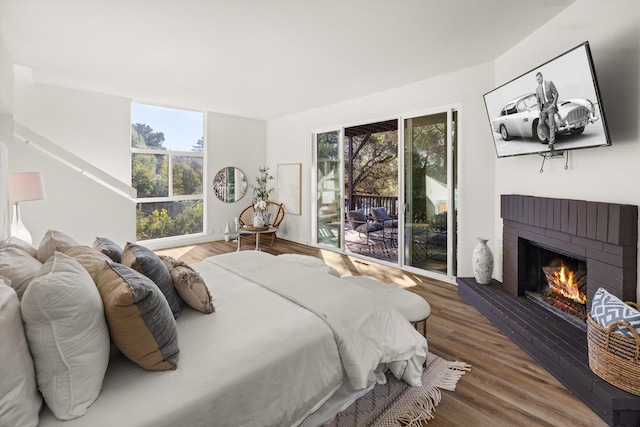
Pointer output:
289, 190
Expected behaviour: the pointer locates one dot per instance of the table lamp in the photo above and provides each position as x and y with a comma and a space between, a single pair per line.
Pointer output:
23, 187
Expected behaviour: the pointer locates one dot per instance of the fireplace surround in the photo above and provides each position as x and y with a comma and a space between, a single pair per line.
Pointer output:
605, 236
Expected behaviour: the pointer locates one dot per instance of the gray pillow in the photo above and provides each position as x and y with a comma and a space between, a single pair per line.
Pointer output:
109, 248
145, 261
140, 321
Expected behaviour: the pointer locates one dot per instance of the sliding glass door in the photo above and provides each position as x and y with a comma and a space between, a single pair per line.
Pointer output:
328, 225
402, 168
429, 192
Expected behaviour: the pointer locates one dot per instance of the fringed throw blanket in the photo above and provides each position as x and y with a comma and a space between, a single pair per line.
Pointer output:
398, 404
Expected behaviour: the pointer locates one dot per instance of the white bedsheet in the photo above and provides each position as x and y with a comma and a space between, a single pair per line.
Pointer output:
259, 360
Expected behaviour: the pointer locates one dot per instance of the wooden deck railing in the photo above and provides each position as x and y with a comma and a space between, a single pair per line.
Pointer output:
368, 201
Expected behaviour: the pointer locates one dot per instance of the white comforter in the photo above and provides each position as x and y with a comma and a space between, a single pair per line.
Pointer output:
260, 359
367, 330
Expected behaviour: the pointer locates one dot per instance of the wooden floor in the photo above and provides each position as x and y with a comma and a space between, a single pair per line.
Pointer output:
505, 387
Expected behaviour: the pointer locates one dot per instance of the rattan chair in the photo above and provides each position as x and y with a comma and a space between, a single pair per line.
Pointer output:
277, 215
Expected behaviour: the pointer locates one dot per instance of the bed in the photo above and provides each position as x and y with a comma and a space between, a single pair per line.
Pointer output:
286, 346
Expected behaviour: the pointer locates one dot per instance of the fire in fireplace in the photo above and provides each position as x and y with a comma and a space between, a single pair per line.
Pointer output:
557, 281
566, 290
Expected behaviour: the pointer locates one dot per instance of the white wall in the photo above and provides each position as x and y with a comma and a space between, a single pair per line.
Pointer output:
238, 142
96, 128
289, 141
93, 126
608, 174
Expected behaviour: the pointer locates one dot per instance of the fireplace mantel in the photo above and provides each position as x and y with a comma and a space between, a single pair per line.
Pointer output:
605, 234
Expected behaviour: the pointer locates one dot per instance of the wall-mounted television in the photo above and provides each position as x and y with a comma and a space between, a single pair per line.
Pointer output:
569, 84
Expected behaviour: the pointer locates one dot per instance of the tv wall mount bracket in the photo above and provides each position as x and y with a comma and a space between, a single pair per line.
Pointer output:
554, 155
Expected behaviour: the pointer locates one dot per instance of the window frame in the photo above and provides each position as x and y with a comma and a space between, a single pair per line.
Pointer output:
171, 197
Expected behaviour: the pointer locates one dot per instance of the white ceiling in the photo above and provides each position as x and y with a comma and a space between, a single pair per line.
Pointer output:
259, 58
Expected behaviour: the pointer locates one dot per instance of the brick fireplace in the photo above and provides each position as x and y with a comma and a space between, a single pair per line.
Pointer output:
603, 236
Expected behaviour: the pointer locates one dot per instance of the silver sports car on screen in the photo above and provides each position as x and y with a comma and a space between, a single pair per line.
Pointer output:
520, 116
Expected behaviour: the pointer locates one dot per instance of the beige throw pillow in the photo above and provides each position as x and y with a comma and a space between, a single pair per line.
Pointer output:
189, 285
140, 321
91, 259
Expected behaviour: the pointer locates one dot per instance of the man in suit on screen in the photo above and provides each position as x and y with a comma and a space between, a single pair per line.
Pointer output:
547, 95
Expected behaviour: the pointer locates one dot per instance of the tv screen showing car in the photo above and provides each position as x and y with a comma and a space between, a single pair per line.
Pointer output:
553, 108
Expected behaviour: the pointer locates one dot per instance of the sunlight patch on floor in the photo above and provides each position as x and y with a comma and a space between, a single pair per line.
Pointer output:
175, 252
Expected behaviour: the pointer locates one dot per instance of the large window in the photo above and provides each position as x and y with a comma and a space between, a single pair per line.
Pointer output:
167, 159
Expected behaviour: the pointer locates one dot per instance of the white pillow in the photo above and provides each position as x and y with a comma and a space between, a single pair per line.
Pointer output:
311, 262
19, 267
51, 240
67, 334
20, 400
14, 242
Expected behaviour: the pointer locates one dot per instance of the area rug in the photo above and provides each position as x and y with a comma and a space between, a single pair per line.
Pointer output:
398, 404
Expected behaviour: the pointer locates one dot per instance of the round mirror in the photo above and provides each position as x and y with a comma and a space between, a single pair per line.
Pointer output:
230, 184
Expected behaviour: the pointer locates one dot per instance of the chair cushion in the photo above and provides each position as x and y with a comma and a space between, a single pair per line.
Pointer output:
390, 223
369, 227
356, 216
379, 213
411, 305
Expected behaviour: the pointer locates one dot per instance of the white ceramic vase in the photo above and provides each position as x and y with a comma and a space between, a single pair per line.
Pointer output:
482, 262
257, 220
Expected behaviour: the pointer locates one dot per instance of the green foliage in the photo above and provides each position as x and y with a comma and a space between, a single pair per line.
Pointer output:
198, 146
187, 176
142, 136
327, 146
158, 223
375, 166
149, 175
260, 191
429, 155
150, 178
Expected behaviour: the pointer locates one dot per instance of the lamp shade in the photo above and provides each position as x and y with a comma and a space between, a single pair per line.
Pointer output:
24, 186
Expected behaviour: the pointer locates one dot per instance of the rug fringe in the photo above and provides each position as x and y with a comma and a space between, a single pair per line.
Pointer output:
420, 402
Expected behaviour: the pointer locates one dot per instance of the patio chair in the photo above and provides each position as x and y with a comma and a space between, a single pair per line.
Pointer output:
382, 216
277, 215
358, 221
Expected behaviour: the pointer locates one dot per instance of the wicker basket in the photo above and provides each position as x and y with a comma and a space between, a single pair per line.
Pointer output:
614, 356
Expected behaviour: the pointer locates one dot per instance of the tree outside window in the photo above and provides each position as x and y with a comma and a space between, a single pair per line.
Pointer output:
167, 171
